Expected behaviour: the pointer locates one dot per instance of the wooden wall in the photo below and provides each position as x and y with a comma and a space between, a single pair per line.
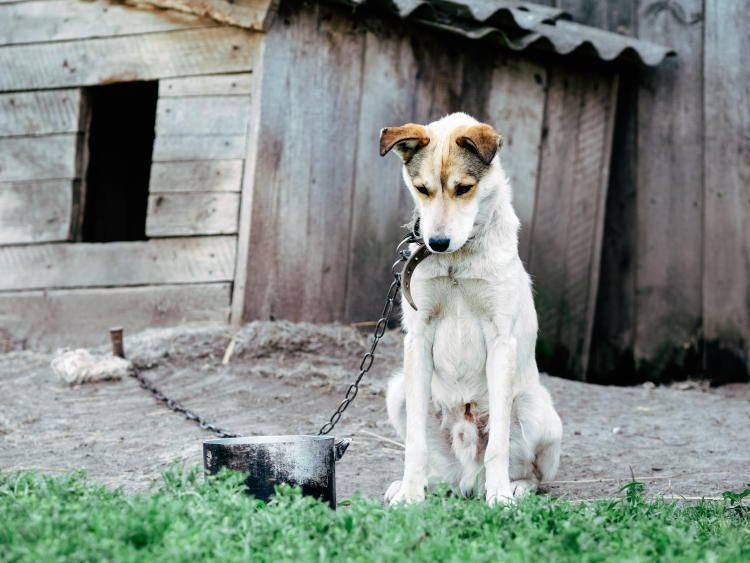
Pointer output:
327, 209
56, 292
675, 293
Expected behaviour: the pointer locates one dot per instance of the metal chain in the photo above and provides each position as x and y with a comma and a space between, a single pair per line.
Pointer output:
385, 316
177, 407
351, 392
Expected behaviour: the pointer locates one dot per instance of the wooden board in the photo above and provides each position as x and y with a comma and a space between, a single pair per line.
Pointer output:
198, 147
55, 20
208, 85
203, 115
196, 176
515, 107
159, 261
569, 216
82, 317
133, 57
179, 214
243, 262
37, 158
305, 164
670, 189
35, 211
39, 113
726, 270
381, 202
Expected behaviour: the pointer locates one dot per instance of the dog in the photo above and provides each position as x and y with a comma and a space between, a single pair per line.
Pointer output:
468, 403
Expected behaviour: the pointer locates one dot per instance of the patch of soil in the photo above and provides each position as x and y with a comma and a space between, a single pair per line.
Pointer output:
286, 378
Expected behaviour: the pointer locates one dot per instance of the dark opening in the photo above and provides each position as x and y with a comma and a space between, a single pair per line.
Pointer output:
119, 145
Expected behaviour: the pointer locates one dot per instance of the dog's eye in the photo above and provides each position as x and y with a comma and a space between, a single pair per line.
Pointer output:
461, 189
422, 190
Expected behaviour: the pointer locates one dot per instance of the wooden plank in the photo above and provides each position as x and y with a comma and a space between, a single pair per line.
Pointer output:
515, 106
134, 57
243, 262
82, 317
159, 261
37, 158
56, 20
726, 271
300, 225
248, 14
381, 202
569, 215
35, 211
196, 176
611, 358
208, 85
203, 115
196, 147
670, 191
39, 113
192, 214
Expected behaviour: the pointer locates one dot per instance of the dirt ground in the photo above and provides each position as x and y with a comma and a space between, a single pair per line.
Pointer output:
283, 378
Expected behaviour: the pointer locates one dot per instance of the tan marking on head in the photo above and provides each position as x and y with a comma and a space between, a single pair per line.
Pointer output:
411, 136
480, 138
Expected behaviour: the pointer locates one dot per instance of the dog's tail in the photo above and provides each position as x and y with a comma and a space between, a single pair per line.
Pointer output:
396, 403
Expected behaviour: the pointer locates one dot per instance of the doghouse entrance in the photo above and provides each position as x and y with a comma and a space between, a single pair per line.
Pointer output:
116, 157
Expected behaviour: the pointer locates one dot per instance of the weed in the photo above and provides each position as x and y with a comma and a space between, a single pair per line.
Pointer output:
68, 518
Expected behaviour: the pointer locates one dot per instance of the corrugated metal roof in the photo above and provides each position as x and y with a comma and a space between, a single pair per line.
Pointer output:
520, 26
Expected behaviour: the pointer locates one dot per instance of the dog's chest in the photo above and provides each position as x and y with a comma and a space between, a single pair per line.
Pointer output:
457, 309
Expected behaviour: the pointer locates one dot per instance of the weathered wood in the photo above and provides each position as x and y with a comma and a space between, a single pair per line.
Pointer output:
569, 215
134, 57
203, 115
196, 147
249, 14
242, 262
300, 225
81, 317
670, 190
381, 202
55, 20
35, 211
208, 85
726, 269
192, 214
614, 15
159, 261
515, 106
196, 176
39, 113
37, 158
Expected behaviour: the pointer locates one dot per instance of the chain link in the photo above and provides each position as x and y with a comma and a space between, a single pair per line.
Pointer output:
380, 328
177, 407
352, 390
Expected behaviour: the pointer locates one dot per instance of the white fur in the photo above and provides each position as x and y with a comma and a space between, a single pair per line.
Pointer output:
472, 342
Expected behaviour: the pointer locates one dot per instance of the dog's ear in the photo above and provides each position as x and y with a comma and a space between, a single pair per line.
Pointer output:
482, 139
406, 140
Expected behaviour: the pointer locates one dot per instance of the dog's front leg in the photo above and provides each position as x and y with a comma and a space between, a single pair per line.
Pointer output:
500, 373
418, 368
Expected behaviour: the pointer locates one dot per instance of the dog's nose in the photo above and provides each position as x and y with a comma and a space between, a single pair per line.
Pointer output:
439, 244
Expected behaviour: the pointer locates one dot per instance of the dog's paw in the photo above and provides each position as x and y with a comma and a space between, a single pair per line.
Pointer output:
521, 488
498, 498
403, 492
392, 491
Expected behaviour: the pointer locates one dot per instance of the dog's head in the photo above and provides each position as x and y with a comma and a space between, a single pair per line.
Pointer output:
447, 169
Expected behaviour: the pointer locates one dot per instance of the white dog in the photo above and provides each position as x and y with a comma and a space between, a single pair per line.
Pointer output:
468, 403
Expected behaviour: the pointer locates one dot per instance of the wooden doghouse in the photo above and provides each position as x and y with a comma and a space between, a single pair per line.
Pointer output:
264, 195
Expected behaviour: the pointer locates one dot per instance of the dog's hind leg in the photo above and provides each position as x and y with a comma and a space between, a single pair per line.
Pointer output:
536, 432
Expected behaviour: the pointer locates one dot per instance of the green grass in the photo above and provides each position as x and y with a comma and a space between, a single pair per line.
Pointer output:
69, 518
